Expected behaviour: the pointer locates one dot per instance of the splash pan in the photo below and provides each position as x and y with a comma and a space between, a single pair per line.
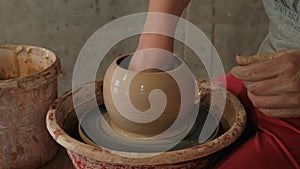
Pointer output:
62, 121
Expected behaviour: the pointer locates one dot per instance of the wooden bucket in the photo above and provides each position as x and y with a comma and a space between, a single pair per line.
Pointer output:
28, 85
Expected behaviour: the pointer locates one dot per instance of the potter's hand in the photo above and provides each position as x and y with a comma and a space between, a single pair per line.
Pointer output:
154, 51
164, 25
273, 82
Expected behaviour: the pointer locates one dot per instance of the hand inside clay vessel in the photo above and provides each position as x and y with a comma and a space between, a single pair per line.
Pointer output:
166, 27
150, 58
154, 51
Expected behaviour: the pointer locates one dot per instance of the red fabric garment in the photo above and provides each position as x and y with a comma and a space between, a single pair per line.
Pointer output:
275, 144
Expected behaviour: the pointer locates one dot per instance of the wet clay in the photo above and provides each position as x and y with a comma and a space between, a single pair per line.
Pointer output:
129, 92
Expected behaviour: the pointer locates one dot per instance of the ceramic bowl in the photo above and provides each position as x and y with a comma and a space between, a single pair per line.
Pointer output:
146, 104
62, 121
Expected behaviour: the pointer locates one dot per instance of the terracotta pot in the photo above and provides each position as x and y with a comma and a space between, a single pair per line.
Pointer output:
135, 105
28, 86
61, 119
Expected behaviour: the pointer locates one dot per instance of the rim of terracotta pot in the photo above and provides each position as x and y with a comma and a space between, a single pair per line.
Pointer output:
108, 156
42, 76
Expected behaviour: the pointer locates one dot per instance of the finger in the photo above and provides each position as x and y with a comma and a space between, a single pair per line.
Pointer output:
287, 100
259, 71
273, 86
282, 113
247, 60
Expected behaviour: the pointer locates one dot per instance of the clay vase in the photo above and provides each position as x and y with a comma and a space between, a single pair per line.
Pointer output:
147, 103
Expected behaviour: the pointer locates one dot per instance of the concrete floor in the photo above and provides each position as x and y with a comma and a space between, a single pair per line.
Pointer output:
63, 26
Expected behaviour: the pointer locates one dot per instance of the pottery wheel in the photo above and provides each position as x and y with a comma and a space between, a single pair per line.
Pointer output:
94, 129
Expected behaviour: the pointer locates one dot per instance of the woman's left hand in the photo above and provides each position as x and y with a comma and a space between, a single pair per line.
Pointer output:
272, 81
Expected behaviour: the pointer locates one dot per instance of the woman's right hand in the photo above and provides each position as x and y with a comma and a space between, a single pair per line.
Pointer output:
154, 51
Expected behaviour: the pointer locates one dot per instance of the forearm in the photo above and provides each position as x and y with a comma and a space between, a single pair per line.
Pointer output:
163, 24
173, 7
158, 31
